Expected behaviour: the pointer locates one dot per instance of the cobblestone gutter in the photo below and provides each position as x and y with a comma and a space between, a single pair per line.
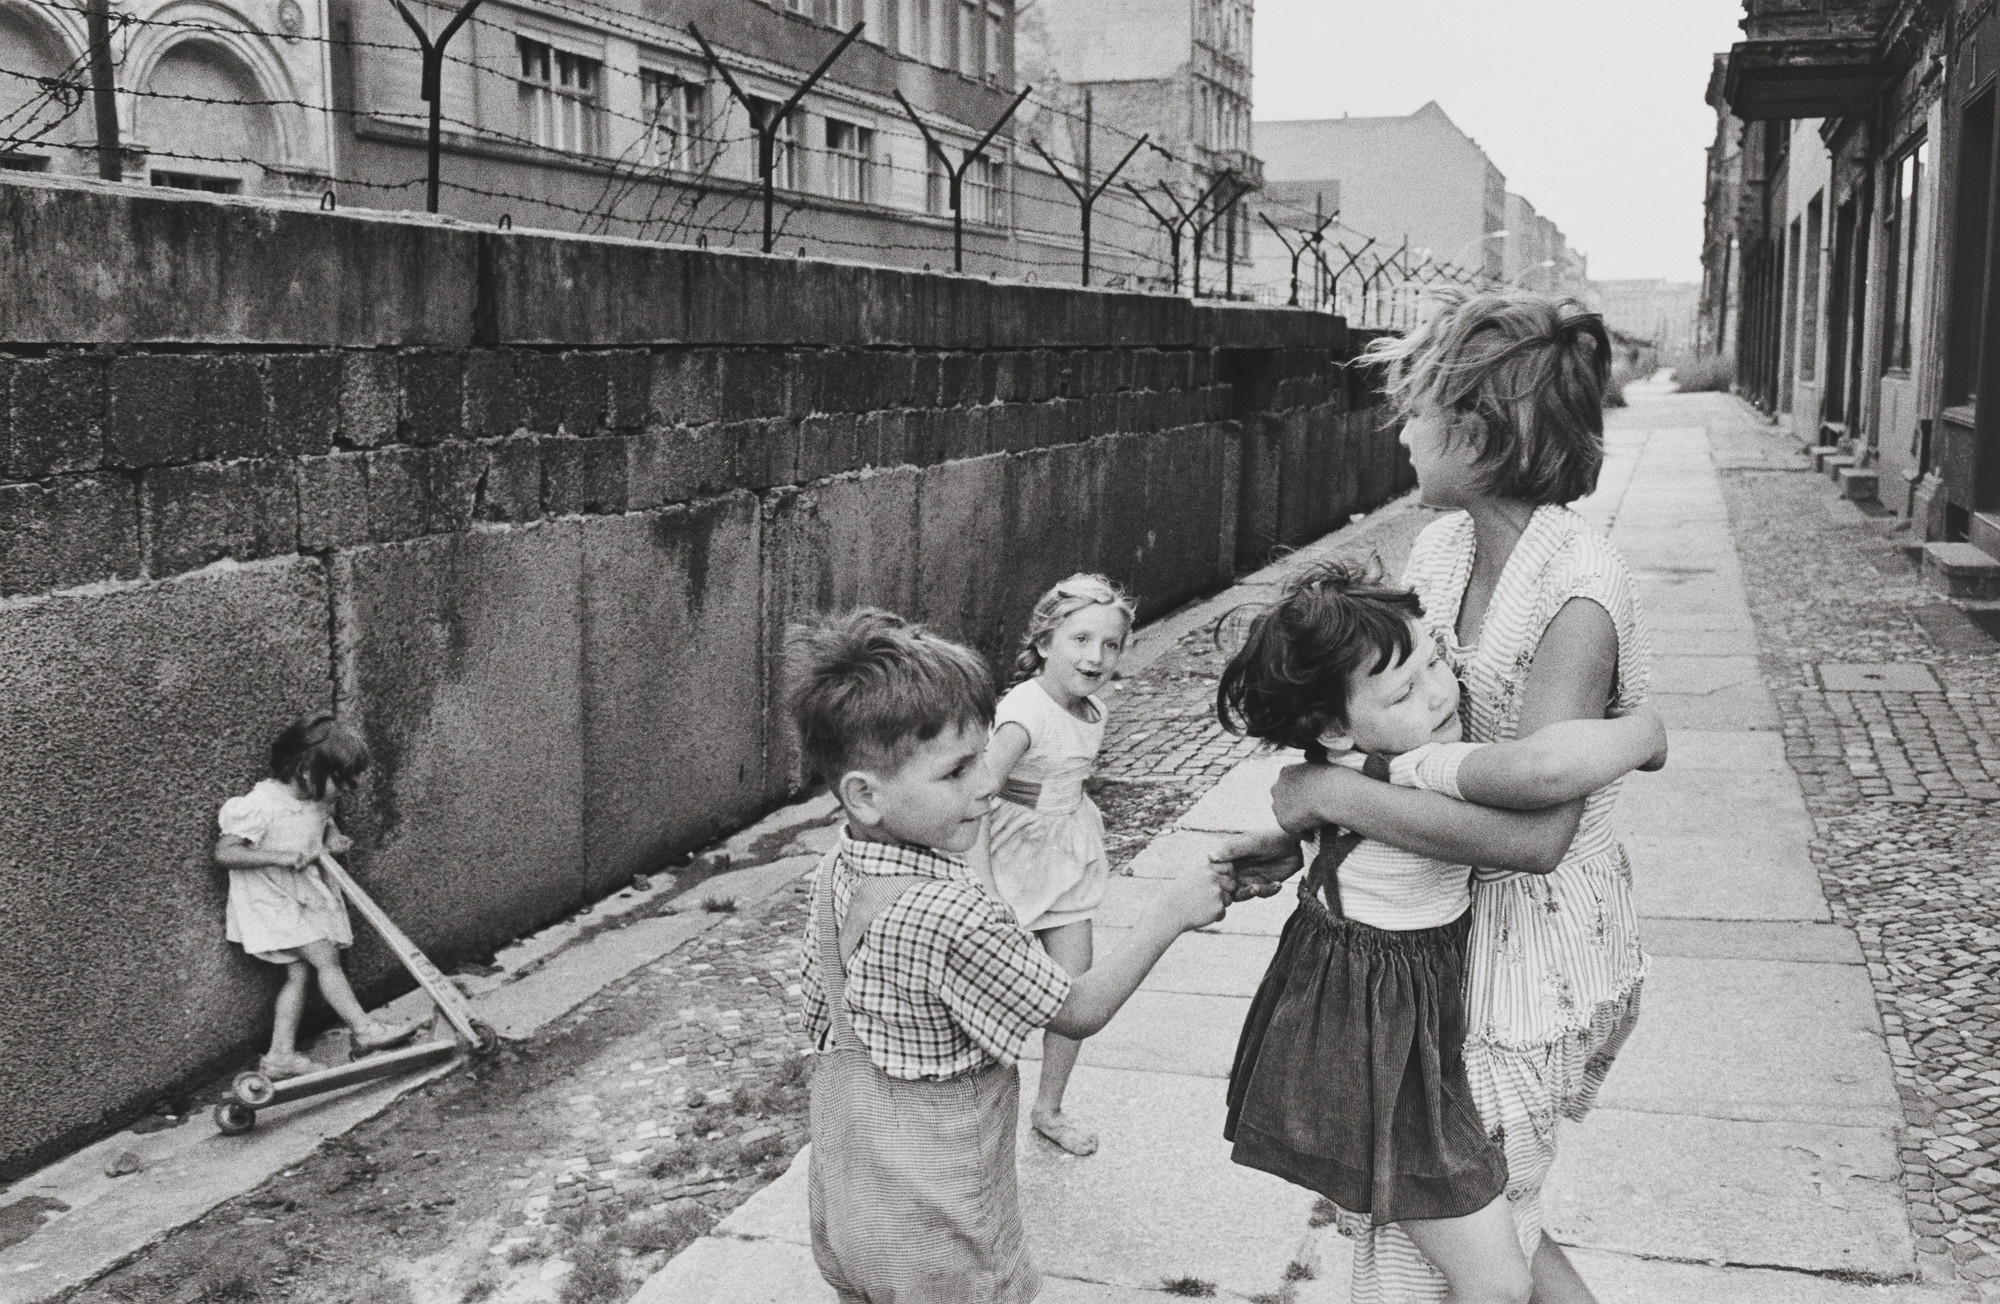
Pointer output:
1902, 790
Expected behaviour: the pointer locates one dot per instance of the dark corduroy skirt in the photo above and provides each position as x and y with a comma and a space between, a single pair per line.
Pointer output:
1349, 1077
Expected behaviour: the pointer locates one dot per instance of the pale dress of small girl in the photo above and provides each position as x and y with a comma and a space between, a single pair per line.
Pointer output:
1045, 838
282, 910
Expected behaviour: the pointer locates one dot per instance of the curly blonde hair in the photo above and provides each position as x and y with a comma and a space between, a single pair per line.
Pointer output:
1522, 375
1078, 592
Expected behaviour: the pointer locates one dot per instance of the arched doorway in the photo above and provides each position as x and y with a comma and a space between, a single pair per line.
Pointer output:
44, 95
201, 122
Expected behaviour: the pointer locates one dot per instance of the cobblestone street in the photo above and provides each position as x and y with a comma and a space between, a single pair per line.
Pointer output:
1901, 787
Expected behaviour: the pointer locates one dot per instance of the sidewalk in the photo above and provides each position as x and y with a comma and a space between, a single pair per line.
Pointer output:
1746, 1148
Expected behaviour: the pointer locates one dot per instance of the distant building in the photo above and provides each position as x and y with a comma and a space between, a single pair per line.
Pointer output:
1661, 313
1177, 71
1721, 267
1536, 255
1416, 177
205, 100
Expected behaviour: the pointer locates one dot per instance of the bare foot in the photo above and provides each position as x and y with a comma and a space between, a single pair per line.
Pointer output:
1056, 1126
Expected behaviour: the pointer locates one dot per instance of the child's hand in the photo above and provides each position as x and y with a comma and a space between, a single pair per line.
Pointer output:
1658, 760
1198, 897
1259, 863
338, 843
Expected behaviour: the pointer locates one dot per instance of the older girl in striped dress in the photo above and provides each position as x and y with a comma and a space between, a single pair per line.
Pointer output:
1502, 395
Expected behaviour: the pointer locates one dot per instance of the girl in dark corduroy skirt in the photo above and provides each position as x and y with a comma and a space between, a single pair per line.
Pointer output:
1349, 1077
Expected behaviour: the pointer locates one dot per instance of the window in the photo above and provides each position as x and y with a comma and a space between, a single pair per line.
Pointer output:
1968, 252
559, 93
1899, 235
784, 157
984, 192
675, 108
971, 40
24, 162
1810, 258
996, 43
850, 155
195, 181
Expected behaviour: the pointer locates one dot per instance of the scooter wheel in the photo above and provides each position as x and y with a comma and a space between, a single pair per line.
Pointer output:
252, 1089
234, 1118
488, 1040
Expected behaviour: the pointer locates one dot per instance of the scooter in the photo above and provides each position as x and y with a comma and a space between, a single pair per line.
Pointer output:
253, 1091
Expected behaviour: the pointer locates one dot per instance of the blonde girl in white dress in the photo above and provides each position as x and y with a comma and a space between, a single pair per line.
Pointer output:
281, 908
1045, 839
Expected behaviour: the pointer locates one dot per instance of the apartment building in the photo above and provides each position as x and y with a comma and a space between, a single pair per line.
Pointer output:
1856, 274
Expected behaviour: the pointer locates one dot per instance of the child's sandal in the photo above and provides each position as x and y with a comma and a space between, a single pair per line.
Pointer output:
279, 1065
381, 1036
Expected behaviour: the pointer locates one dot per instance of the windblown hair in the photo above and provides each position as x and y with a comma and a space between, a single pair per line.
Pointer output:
316, 751
869, 688
1289, 682
1074, 594
1523, 375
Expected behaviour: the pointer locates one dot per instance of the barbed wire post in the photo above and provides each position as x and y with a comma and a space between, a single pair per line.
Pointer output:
955, 175
104, 92
1172, 226
433, 83
1333, 277
767, 131
1201, 229
1308, 241
1086, 194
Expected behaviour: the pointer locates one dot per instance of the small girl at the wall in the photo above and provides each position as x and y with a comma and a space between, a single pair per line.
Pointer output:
1045, 836
281, 908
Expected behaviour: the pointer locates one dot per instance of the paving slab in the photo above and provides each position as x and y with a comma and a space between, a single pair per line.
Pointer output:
1758, 1040
1742, 706
1125, 900
1626, 1279
1737, 751
1720, 843
1241, 800
1750, 939
1202, 964
1787, 1195
1704, 642
1705, 674
1185, 1033
1173, 851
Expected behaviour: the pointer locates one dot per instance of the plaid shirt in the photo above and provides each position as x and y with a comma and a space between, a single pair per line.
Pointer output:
945, 981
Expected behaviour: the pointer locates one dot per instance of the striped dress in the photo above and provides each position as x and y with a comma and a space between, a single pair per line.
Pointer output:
1553, 967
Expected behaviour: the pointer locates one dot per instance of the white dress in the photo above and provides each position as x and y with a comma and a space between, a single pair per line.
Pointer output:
272, 912
1553, 966
1045, 838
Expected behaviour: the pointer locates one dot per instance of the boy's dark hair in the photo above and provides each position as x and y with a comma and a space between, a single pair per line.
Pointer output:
319, 749
869, 688
1520, 373
1289, 682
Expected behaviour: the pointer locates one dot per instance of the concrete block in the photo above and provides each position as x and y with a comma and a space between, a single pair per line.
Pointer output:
754, 384
490, 399
672, 682
676, 464
430, 403
827, 446
962, 527
512, 490
416, 491
846, 542
51, 416
766, 452
1857, 485
1802, 1196
168, 408
559, 392
1960, 570
333, 501
369, 402
73, 531
132, 714
197, 514
629, 377
304, 390
460, 661
585, 476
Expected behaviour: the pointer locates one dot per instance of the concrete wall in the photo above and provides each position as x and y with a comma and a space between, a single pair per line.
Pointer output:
533, 512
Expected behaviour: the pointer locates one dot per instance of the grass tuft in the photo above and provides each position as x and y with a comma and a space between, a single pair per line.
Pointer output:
669, 1232
593, 1277
1324, 1213
1188, 1287
719, 905
478, 1290
1299, 1270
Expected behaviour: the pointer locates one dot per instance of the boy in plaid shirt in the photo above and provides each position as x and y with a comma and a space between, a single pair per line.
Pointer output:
920, 986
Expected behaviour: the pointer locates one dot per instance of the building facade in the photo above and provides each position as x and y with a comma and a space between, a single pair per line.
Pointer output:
206, 98
594, 116
1176, 72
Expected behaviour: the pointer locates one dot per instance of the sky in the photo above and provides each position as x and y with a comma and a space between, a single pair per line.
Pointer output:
1592, 108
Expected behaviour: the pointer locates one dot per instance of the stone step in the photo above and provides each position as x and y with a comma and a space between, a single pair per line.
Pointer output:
1834, 464
1822, 453
1857, 485
1984, 532
1960, 570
